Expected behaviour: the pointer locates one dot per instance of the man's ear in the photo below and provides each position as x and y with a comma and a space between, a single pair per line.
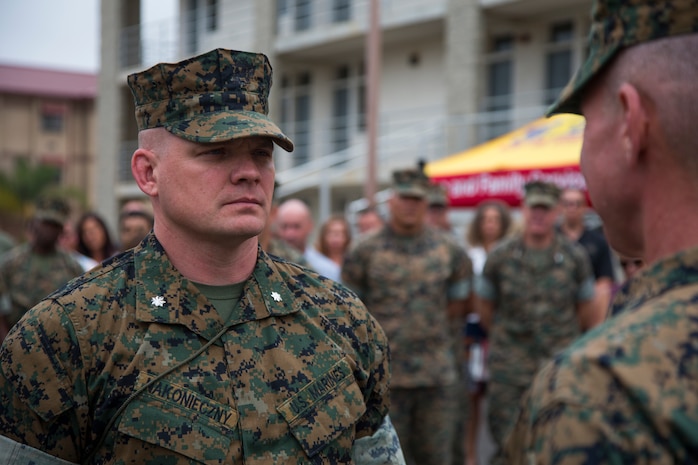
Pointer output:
143, 164
634, 132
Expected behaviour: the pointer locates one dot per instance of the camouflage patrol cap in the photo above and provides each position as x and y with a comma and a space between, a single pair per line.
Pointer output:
437, 195
617, 24
214, 97
54, 210
410, 183
541, 193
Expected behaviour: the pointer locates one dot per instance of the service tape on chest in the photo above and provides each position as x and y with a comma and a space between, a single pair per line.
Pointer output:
138, 392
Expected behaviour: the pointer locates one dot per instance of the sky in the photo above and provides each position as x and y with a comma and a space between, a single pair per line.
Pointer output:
59, 34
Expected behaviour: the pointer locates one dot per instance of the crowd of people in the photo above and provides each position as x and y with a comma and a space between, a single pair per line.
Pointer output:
223, 334
497, 302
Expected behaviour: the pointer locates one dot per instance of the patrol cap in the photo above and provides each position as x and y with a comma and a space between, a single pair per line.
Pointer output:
541, 193
617, 24
54, 210
410, 183
437, 195
214, 97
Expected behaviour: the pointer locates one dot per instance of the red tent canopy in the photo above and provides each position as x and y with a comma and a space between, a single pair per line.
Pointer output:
547, 149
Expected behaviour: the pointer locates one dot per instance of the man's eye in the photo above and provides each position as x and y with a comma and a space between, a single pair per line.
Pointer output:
217, 151
263, 153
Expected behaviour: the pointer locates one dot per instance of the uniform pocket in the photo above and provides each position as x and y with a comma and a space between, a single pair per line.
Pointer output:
325, 408
181, 420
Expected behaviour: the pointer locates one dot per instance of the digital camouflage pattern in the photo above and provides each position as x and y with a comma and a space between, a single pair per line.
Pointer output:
214, 97
411, 182
52, 209
534, 295
406, 283
617, 24
638, 402
437, 195
299, 372
541, 193
27, 277
426, 417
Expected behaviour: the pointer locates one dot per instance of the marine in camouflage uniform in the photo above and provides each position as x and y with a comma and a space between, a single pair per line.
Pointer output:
415, 284
31, 271
136, 362
298, 373
626, 392
534, 294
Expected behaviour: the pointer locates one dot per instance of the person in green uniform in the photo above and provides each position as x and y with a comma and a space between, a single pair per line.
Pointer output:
196, 347
627, 392
536, 296
31, 271
416, 280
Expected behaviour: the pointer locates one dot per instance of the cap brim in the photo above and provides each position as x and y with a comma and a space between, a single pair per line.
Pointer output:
570, 99
542, 200
410, 192
228, 125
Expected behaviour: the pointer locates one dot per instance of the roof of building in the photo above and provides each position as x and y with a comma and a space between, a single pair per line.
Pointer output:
47, 82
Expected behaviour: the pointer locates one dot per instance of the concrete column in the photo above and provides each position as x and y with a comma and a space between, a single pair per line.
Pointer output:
464, 45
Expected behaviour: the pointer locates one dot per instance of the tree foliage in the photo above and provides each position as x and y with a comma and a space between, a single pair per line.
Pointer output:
20, 189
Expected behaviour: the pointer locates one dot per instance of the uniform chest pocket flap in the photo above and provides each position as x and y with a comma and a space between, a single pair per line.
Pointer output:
325, 408
181, 420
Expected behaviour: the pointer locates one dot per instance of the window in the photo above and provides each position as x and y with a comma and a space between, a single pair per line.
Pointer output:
52, 117
499, 87
340, 109
295, 115
211, 15
303, 10
558, 61
361, 98
341, 10
192, 15
52, 123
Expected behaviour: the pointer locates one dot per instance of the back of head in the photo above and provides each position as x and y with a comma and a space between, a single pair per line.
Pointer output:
619, 24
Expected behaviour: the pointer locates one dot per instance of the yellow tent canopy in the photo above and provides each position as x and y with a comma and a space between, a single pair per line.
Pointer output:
546, 149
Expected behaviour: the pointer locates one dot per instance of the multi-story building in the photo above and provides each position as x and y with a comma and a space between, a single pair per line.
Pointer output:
49, 117
453, 73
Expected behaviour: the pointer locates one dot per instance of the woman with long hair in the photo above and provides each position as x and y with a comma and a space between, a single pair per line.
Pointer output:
491, 223
94, 239
334, 238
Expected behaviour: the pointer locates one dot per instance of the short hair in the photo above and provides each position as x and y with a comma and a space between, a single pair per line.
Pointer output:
665, 72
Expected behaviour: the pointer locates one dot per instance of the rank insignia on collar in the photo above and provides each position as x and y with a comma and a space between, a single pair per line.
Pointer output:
276, 296
157, 301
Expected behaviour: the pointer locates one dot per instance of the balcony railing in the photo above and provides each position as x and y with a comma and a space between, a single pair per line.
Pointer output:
320, 15
171, 39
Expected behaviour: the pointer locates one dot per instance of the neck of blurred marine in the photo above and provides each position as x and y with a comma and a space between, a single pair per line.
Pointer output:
402, 228
215, 261
539, 240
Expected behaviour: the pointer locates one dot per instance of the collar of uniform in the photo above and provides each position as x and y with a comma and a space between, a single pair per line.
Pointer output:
267, 292
165, 296
671, 272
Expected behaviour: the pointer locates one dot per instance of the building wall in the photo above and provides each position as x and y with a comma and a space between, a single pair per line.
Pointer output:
434, 75
69, 147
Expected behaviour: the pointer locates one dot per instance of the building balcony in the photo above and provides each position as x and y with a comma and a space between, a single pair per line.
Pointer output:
528, 8
328, 27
